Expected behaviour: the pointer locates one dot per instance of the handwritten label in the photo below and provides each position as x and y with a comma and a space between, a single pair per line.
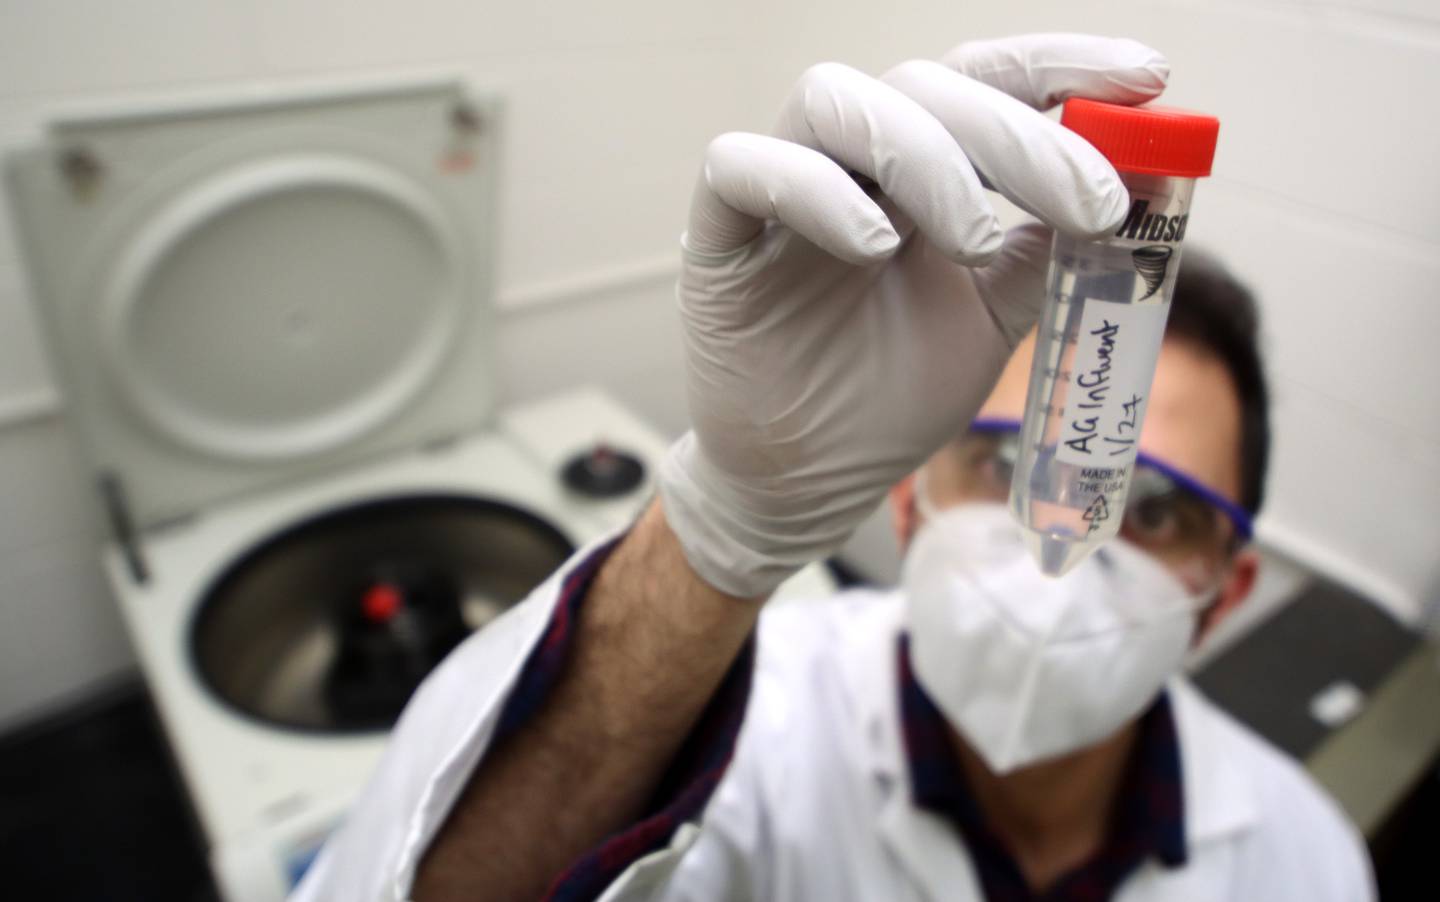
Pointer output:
1110, 376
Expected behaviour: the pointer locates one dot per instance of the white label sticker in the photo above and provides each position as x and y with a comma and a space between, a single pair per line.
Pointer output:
1110, 375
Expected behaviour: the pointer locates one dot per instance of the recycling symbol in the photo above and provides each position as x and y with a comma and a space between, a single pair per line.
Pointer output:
1097, 513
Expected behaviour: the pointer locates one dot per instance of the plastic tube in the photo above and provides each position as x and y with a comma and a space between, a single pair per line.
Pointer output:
1100, 334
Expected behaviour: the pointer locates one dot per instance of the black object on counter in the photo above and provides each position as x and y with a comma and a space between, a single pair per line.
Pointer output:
603, 472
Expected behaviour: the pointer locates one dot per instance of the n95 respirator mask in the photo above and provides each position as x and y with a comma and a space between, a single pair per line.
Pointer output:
1026, 666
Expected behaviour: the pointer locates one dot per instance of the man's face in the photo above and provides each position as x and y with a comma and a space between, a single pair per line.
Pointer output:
1192, 424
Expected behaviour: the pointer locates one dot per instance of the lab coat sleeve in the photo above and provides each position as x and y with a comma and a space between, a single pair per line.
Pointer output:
731, 855
1306, 847
437, 743
1293, 841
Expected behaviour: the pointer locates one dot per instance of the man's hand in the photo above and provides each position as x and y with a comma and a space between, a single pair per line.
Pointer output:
848, 296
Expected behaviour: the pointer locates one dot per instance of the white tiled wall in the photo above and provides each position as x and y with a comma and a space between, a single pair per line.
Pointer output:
1326, 198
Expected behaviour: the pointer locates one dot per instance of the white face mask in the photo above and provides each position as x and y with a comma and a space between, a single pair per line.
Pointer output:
1028, 667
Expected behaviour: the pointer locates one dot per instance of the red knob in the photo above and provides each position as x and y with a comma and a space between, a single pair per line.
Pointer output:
381, 602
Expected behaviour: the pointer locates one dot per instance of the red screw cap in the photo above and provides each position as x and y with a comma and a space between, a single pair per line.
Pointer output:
1153, 140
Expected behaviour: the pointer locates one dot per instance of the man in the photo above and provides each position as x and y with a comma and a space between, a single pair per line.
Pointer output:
983, 733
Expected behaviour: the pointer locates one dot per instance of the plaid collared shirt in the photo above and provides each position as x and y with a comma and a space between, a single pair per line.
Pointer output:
1148, 820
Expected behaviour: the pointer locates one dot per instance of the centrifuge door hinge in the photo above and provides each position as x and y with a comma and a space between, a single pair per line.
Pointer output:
117, 510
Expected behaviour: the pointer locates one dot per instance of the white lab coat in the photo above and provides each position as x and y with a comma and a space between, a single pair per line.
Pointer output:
815, 803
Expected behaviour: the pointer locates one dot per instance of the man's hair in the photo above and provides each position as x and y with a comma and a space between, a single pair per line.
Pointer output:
1212, 310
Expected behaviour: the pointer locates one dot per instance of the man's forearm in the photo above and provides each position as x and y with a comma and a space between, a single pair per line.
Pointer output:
653, 643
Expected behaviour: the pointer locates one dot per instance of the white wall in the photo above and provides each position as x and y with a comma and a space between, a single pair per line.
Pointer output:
1334, 220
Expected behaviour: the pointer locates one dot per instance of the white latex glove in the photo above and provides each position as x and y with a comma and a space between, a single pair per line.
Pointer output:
836, 337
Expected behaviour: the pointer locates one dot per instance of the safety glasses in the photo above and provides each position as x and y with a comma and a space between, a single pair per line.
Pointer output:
1167, 512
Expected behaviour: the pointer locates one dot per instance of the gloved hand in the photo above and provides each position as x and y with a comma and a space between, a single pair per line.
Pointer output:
847, 295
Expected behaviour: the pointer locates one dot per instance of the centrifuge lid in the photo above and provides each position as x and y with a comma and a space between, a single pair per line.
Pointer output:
242, 295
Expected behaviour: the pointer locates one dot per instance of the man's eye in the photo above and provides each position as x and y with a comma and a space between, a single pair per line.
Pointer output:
995, 474
1004, 470
1153, 520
